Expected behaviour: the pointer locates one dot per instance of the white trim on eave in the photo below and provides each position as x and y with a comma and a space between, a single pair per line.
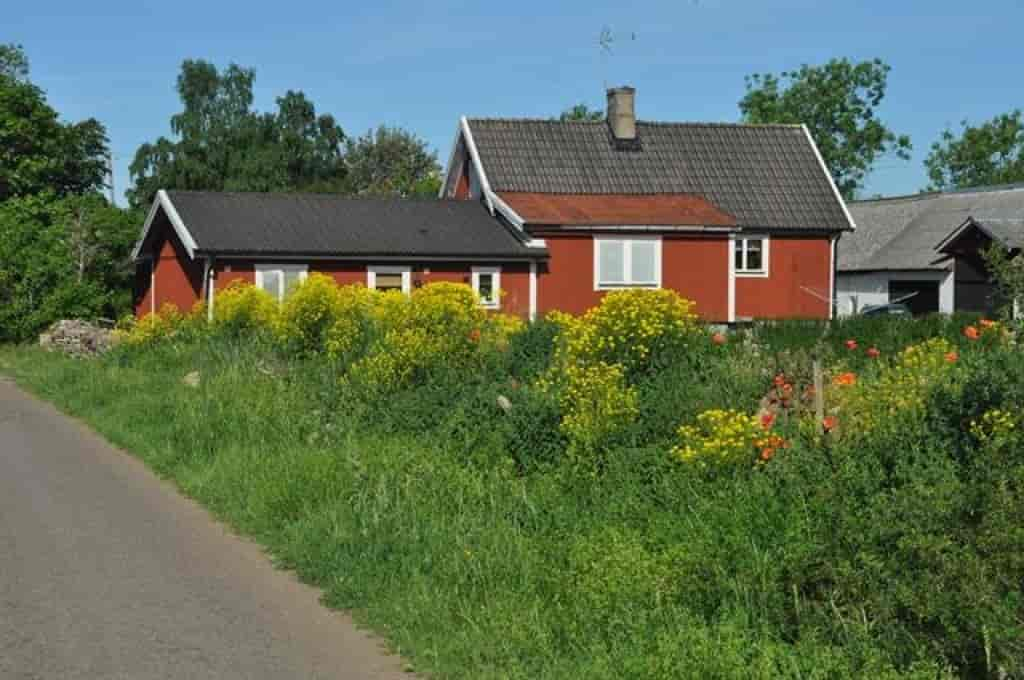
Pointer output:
474, 156
162, 200
831, 181
506, 210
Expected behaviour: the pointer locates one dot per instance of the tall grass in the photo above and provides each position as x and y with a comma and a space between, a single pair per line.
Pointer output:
460, 532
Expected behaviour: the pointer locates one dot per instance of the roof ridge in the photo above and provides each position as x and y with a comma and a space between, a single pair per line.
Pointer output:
984, 189
321, 195
640, 121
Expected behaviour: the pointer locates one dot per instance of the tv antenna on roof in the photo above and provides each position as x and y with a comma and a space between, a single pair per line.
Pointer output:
606, 40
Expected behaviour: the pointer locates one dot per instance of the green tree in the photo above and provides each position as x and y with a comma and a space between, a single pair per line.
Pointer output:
838, 103
391, 162
38, 152
220, 143
63, 258
13, 62
581, 112
990, 153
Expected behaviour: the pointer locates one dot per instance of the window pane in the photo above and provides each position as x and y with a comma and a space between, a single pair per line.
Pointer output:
291, 279
611, 262
271, 282
389, 282
644, 263
486, 287
754, 260
738, 255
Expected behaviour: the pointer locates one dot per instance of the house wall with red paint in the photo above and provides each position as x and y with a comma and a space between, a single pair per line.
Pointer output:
179, 279
797, 285
175, 279
696, 267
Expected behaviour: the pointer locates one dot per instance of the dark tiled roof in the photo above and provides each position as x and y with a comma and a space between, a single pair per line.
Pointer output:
1008, 231
324, 224
766, 176
903, 232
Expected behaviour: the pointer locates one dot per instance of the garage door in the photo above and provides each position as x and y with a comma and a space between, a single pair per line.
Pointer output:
921, 296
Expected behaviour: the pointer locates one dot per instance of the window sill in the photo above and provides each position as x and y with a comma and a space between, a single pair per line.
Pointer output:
752, 275
626, 286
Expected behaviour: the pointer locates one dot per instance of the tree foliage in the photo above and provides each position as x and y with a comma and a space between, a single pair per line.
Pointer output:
39, 152
391, 162
13, 62
220, 143
63, 258
581, 112
838, 102
990, 153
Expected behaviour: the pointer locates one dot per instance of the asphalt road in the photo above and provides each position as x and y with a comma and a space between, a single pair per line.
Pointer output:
107, 572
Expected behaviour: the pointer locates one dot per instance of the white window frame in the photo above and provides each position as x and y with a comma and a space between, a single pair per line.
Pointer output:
404, 270
741, 242
495, 273
261, 269
627, 256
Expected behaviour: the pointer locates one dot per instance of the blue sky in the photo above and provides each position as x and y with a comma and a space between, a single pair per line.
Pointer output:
421, 65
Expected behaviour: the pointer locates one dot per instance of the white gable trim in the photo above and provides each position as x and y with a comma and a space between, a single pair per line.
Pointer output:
831, 181
492, 199
474, 156
506, 210
162, 200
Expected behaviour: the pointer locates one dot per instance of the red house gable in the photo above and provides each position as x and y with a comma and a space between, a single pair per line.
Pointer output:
742, 219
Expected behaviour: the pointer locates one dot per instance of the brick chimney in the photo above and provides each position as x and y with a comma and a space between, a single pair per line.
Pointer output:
622, 113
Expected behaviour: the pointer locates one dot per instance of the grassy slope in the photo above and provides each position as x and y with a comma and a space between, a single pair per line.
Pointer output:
470, 570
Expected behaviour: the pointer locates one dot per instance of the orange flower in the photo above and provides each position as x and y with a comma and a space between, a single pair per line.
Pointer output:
971, 332
474, 335
851, 344
986, 323
767, 453
767, 420
873, 352
829, 423
718, 339
844, 379
951, 357
780, 380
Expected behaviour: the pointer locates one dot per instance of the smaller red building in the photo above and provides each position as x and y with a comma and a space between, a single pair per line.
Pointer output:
742, 219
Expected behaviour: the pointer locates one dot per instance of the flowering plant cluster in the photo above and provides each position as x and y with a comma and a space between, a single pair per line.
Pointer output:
242, 307
996, 427
727, 437
630, 328
167, 322
597, 403
308, 313
899, 387
598, 354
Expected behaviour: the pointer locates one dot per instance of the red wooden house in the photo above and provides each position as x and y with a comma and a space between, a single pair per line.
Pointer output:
742, 219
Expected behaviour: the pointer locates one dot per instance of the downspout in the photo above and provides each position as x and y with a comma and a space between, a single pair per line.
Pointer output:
533, 290
210, 278
832, 301
152, 284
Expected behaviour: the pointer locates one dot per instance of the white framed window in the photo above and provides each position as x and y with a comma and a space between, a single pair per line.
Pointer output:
750, 255
633, 262
487, 285
279, 279
384, 277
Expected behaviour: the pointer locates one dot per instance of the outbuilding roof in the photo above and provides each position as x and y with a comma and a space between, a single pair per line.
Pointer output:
339, 226
904, 232
762, 176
